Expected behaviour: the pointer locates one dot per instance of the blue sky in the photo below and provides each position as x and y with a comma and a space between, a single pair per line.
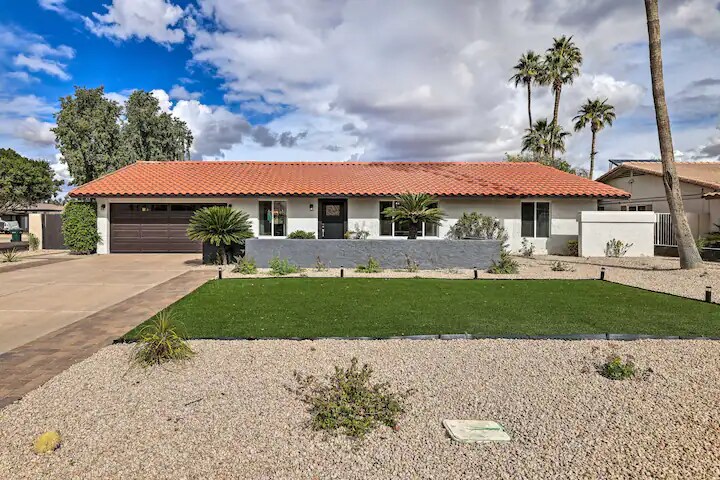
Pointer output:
358, 80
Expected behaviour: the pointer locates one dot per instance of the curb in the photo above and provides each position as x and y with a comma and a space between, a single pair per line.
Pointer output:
469, 336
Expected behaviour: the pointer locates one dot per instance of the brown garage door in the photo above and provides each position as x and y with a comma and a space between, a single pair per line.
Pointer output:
151, 228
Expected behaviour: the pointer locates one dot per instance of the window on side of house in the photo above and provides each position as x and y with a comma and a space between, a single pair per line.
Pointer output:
640, 208
273, 218
388, 228
535, 219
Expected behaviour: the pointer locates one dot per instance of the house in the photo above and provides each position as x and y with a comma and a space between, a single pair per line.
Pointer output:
642, 179
20, 215
145, 206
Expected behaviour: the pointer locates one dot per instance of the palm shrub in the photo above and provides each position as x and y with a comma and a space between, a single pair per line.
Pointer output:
219, 226
79, 227
161, 341
415, 208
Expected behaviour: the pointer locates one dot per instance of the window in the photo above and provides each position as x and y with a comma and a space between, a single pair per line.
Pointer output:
640, 208
535, 219
388, 228
273, 218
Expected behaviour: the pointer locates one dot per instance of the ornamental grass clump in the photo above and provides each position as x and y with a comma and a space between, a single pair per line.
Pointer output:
349, 402
161, 341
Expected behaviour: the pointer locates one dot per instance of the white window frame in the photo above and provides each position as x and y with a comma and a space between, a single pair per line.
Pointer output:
535, 202
392, 225
272, 224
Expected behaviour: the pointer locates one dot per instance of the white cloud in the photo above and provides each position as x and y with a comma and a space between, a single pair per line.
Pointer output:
34, 131
24, 105
61, 169
38, 64
156, 20
178, 92
54, 5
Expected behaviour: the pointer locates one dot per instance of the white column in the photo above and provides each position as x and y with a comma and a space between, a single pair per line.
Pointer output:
103, 226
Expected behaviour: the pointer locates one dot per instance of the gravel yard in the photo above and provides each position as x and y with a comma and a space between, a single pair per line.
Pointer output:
661, 274
228, 414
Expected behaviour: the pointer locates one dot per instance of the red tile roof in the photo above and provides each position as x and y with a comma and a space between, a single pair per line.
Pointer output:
703, 174
229, 178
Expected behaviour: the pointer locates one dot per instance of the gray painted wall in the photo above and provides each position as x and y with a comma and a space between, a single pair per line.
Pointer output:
429, 254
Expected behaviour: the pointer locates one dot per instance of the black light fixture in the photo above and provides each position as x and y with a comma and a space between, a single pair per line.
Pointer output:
312, 206
102, 206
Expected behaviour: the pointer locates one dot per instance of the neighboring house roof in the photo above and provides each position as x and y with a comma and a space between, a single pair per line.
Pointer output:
703, 174
231, 178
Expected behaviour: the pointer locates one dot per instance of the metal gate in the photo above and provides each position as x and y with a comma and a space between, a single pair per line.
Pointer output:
664, 230
52, 232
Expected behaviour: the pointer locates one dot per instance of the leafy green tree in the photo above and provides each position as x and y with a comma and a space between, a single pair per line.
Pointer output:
544, 138
88, 134
528, 70
415, 208
219, 226
149, 134
24, 182
596, 113
560, 67
558, 163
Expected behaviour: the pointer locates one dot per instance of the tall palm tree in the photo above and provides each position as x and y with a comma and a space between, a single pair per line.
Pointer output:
596, 113
527, 71
220, 226
543, 138
560, 67
415, 208
687, 249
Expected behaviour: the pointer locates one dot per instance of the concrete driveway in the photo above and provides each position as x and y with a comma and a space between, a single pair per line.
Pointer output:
36, 301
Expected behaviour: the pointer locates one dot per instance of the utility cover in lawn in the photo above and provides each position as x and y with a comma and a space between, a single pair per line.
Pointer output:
476, 431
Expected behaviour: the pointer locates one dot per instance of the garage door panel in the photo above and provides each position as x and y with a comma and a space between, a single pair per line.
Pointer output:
152, 228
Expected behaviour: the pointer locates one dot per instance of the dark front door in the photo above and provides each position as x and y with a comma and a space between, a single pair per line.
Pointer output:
333, 218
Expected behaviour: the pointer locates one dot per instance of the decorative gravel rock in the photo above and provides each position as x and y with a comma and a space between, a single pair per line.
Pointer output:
228, 413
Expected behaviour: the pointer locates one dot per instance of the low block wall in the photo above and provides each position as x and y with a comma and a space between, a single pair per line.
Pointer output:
428, 254
596, 229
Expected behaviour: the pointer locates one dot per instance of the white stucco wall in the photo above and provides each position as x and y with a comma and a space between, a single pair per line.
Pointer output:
364, 213
596, 229
649, 190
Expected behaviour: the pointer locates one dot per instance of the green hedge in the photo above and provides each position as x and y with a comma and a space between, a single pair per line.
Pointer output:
79, 227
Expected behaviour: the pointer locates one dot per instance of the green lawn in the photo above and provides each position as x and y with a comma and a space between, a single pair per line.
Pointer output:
318, 307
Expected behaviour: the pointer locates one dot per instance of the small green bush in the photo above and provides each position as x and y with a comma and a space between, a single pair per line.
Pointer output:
615, 369
302, 235
33, 242
373, 266
10, 256
616, 248
561, 267
161, 341
349, 403
79, 227
572, 248
506, 265
527, 249
282, 266
246, 266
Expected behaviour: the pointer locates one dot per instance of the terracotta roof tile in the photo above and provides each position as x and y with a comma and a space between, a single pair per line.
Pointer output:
234, 178
704, 174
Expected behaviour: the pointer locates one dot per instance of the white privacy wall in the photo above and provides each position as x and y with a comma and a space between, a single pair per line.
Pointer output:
596, 229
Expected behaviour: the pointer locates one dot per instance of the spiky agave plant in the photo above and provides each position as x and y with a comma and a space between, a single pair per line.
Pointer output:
219, 226
161, 341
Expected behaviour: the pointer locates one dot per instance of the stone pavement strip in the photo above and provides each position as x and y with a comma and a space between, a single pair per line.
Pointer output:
27, 367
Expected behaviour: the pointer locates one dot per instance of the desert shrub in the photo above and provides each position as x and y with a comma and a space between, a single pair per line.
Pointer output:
507, 264
301, 235
348, 402
161, 341
572, 248
10, 256
33, 242
616, 248
246, 266
410, 264
617, 369
372, 266
527, 248
475, 225
320, 265
282, 266
358, 234
79, 227
561, 267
